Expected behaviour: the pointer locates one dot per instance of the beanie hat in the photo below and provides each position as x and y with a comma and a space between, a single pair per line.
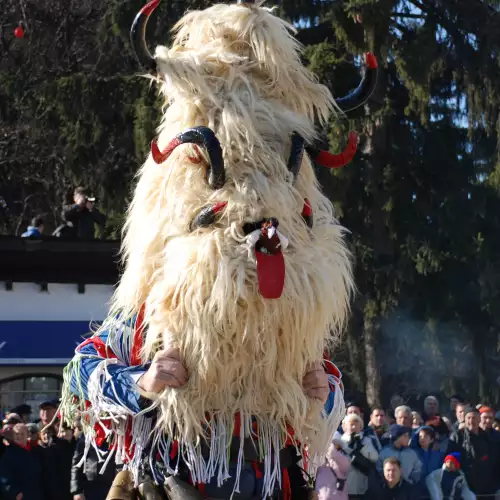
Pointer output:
486, 409
396, 431
453, 457
470, 409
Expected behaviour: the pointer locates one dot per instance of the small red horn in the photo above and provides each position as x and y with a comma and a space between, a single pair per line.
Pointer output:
329, 160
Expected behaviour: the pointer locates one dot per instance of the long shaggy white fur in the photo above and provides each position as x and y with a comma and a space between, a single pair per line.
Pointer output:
237, 70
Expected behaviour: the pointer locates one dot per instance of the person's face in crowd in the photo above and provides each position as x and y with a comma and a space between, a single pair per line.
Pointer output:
460, 412
80, 199
417, 420
47, 434
392, 473
378, 418
21, 434
353, 410
403, 441
472, 421
33, 436
404, 418
431, 407
486, 420
396, 401
352, 426
453, 404
66, 434
41, 227
424, 439
450, 465
8, 431
47, 413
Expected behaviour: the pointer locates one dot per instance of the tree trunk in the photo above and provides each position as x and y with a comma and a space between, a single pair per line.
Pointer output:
371, 362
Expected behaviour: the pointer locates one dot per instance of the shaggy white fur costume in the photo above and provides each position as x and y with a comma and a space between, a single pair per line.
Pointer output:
235, 69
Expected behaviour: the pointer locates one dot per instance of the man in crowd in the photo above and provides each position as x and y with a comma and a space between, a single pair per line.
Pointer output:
411, 467
460, 414
393, 486
83, 215
48, 410
454, 401
486, 419
378, 429
431, 408
477, 453
24, 411
403, 416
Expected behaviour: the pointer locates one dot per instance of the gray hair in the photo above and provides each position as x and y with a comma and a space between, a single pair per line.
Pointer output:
352, 416
404, 408
431, 398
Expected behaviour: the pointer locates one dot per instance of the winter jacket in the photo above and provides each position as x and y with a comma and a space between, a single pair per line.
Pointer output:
431, 460
86, 478
411, 467
460, 489
83, 220
20, 472
379, 436
331, 483
31, 232
478, 460
357, 479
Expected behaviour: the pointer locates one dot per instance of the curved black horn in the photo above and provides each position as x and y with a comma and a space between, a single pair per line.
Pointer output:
296, 154
138, 36
364, 90
207, 215
203, 137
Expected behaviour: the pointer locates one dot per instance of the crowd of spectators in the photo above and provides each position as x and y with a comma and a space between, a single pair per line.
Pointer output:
395, 454
402, 454
41, 460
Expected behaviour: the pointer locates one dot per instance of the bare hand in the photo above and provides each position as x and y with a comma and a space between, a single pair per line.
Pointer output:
80, 496
19, 496
166, 370
315, 383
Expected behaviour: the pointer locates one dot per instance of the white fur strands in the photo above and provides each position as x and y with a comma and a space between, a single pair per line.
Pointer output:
237, 70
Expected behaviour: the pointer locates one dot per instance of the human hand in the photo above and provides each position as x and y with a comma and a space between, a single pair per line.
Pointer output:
315, 382
79, 496
19, 496
166, 370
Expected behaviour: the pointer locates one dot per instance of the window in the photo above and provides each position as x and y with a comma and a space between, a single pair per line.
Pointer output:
29, 389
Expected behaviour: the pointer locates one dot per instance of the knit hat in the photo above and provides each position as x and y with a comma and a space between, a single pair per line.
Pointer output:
396, 431
470, 409
486, 409
453, 457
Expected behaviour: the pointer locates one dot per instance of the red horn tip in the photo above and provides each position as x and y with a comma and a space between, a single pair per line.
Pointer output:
371, 60
150, 7
155, 151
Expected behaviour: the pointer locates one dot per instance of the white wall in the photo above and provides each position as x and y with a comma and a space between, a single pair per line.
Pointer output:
62, 302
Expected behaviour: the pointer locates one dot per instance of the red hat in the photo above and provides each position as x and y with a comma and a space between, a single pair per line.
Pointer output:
486, 409
453, 457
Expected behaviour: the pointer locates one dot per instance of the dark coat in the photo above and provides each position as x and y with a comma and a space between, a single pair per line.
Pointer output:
94, 485
477, 460
20, 472
83, 220
379, 490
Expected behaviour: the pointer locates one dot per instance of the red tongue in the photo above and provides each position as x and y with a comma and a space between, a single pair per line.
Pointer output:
271, 274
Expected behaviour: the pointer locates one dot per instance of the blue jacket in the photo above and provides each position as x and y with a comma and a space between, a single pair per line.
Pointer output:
31, 232
431, 459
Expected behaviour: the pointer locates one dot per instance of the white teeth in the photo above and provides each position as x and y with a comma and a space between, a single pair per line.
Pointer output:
283, 240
